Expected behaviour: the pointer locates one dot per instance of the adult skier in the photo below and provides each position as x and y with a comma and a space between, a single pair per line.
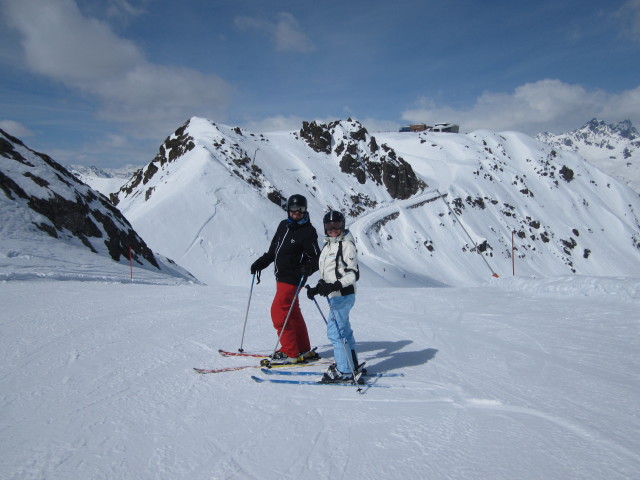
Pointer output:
294, 252
338, 275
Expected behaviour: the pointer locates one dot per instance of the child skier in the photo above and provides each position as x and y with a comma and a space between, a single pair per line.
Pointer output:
338, 274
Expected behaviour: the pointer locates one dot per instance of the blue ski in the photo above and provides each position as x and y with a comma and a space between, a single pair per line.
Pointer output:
287, 372
310, 382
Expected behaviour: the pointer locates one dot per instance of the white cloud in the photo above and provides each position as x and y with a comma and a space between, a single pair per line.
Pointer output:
62, 44
151, 97
124, 9
277, 123
629, 16
15, 129
549, 105
285, 32
84, 54
288, 35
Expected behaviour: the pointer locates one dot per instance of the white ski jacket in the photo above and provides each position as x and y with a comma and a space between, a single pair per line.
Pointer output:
343, 269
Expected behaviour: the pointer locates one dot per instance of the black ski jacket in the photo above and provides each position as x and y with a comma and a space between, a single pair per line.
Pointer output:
294, 244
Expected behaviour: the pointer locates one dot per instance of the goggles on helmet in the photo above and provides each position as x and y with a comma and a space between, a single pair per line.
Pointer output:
297, 208
333, 226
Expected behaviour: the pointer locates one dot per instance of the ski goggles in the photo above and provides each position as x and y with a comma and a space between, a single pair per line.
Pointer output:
297, 208
333, 226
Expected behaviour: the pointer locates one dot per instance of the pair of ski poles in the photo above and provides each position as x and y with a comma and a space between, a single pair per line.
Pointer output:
331, 316
302, 280
343, 340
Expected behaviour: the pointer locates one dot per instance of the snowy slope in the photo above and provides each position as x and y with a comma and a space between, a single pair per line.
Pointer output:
53, 225
522, 379
614, 148
568, 217
210, 201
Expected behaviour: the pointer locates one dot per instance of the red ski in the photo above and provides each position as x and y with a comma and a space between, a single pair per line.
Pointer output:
226, 369
224, 353
242, 367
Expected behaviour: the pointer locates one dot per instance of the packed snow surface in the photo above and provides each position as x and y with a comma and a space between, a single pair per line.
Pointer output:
519, 379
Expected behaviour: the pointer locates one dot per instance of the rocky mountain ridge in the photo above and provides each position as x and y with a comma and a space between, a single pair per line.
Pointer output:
361, 156
42, 198
426, 208
213, 195
346, 143
614, 148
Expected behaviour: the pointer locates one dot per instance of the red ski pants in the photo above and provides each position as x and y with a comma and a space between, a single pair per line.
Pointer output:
295, 338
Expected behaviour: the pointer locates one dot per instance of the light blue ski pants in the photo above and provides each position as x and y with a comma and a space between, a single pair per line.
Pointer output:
339, 328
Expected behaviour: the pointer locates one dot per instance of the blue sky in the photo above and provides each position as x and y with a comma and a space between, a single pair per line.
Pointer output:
103, 82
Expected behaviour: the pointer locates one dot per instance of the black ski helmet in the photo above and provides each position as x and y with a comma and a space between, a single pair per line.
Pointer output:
333, 216
297, 201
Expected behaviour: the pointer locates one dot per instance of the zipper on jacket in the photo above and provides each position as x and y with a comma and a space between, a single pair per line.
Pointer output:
275, 259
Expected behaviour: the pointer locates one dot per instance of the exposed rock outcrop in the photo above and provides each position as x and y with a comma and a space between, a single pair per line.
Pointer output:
57, 203
359, 155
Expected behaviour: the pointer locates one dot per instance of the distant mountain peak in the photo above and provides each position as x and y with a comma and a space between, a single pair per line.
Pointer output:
624, 129
614, 148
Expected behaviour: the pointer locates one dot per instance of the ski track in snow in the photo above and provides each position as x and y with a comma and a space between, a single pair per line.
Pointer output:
500, 382
362, 230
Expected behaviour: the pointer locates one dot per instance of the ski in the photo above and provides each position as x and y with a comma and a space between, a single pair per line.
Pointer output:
225, 353
287, 372
226, 369
311, 382
242, 367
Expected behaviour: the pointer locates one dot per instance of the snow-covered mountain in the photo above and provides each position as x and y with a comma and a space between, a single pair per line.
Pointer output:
104, 180
426, 209
48, 213
614, 148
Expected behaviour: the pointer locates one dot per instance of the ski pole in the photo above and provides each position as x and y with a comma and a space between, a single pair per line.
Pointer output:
247, 314
320, 310
286, 320
342, 339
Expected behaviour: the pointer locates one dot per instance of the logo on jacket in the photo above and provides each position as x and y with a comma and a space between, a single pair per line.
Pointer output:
293, 240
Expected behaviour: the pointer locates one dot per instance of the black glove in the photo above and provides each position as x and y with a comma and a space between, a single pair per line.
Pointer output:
306, 269
324, 289
311, 292
260, 264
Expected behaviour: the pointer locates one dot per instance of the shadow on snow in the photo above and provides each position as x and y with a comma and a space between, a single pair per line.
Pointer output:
388, 355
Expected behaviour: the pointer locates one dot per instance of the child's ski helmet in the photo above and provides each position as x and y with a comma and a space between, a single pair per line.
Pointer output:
333, 219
